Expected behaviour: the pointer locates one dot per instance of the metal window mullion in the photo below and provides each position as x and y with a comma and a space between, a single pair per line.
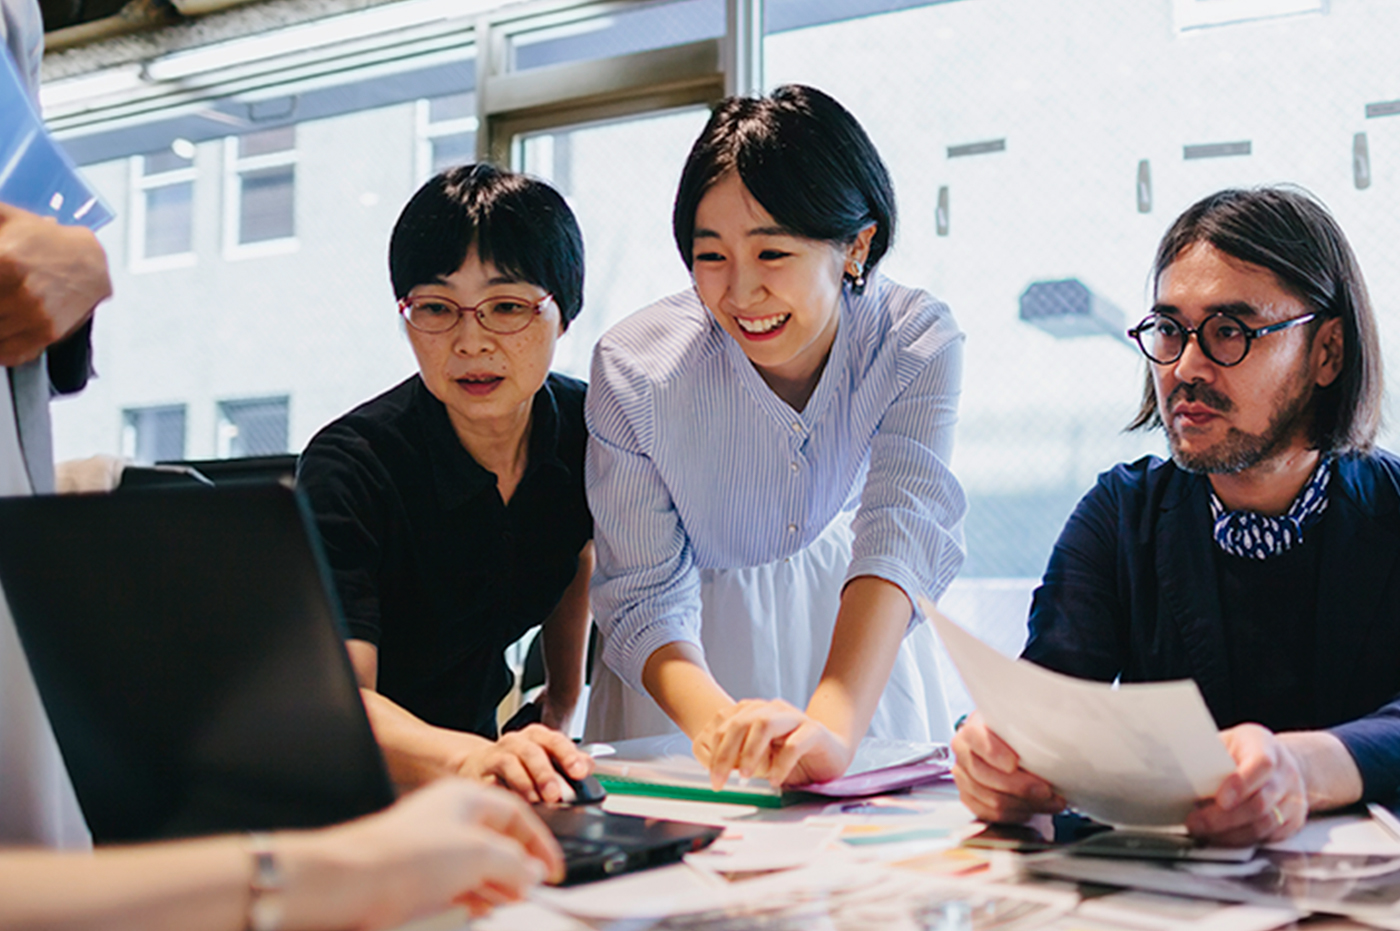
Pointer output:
743, 47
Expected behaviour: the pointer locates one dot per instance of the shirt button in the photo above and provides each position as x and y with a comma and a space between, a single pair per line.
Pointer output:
796, 427
794, 467
792, 528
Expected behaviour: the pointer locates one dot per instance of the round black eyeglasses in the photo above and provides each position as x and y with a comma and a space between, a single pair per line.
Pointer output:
1222, 337
500, 315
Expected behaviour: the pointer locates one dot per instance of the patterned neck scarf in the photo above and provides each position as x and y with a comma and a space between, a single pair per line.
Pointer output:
1259, 536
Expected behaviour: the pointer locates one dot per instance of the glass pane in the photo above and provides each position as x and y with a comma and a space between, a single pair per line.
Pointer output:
452, 107
632, 258
280, 139
267, 210
653, 26
154, 434
155, 163
253, 428
457, 149
169, 220
783, 15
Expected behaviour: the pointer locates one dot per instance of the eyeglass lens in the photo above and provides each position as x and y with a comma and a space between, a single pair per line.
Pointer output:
499, 315
1223, 338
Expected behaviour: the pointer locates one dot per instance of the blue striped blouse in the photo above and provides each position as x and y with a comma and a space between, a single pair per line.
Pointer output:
694, 463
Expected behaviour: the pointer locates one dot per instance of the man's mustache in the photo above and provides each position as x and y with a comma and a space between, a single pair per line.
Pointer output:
1197, 393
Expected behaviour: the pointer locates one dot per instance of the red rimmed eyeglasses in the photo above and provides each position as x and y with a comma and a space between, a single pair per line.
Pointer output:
502, 315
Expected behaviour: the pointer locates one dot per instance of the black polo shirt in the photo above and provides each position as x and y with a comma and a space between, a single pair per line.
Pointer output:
430, 565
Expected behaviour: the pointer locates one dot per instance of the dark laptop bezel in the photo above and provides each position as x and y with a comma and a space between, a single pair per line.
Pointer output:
191, 660
599, 844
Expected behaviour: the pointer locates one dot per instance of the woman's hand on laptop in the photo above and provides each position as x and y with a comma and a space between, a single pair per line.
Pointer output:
991, 781
522, 762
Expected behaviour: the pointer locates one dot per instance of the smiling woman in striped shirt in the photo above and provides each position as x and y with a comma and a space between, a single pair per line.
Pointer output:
768, 462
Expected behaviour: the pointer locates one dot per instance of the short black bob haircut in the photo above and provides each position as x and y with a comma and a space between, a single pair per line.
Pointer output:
804, 158
519, 224
1288, 232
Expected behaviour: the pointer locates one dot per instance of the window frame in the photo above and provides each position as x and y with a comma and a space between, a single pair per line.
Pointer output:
139, 186
224, 437
130, 435
235, 166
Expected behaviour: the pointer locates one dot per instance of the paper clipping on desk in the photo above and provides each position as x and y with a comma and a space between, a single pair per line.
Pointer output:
35, 174
1136, 755
1366, 888
833, 892
753, 847
1345, 834
1150, 911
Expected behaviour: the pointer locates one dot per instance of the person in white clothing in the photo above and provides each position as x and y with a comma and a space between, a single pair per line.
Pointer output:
51, 279
734, 431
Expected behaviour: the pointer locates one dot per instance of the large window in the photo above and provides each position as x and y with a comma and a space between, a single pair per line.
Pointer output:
1039, 148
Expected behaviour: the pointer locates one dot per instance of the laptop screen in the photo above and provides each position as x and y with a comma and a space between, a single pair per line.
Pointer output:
187, 650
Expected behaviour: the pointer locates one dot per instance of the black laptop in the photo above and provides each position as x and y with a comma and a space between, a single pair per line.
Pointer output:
189, 652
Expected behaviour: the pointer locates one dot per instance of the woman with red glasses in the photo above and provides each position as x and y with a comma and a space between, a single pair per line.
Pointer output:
452, 506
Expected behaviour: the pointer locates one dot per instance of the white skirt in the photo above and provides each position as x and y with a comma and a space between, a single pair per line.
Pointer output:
766, 631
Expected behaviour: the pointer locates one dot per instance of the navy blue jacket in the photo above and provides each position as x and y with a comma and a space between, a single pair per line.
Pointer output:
1130, 593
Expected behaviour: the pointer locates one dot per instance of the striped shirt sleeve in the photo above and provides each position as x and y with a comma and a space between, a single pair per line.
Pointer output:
646, 592
909, 526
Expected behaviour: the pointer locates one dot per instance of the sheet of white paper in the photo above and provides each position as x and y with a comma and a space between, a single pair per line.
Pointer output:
667, 890
751, 846
685, 890
1354, 835
717, 814
1136, 754
1151, 911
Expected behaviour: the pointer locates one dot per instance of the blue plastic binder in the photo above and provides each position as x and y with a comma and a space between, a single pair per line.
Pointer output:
35, 174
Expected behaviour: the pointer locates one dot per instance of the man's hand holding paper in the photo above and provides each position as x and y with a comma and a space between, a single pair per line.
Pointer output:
1133, 755
990, 778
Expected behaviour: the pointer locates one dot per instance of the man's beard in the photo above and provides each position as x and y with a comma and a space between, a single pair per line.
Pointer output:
1239, 451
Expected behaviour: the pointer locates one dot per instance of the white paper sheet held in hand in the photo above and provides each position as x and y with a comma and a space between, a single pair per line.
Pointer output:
1136, 754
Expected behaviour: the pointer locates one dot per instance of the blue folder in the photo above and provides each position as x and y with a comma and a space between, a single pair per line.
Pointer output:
35, 174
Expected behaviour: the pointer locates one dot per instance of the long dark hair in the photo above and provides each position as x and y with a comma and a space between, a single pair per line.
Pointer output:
1287, 231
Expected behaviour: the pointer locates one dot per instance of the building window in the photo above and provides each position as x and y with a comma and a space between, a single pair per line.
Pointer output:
252, 427
261, 191
154, 434
162, 207
446, 133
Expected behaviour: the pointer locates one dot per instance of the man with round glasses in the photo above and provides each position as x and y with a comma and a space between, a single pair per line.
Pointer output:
1263, 559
